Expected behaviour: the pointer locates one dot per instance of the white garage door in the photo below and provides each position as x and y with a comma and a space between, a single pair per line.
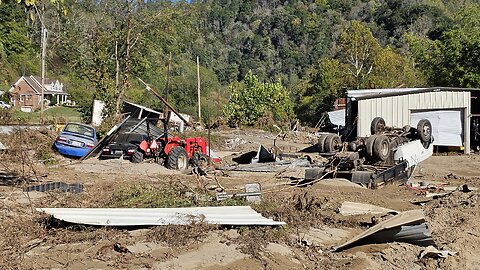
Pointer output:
446, 126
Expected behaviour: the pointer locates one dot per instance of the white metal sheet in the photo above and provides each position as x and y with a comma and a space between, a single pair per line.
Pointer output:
446, 126
337, 117
221, 215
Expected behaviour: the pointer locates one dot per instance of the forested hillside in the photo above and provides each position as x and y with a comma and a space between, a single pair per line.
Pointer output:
298, 55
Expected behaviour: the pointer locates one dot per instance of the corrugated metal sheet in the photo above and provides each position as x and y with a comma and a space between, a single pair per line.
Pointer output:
221, 215
409, 227
396, 109
141, 127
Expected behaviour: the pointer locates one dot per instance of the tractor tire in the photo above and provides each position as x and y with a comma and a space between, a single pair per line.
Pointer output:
177, 159
331, 143
377, 126
424, 130
369, 145
137, 156
199, 160
321, 143
381, 148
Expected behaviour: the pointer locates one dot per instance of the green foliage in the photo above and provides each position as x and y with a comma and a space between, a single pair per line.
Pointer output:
169, 195
315, 48
251, 99
319, 89
453, 60
357, 49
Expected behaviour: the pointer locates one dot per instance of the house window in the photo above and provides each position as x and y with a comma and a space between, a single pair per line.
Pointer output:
22, 98
28, 97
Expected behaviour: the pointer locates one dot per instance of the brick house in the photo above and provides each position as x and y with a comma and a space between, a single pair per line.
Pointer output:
26, 93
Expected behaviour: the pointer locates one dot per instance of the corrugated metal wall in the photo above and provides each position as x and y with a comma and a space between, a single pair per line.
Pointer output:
396, 109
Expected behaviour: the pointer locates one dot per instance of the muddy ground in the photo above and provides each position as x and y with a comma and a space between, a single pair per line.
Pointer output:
30, 240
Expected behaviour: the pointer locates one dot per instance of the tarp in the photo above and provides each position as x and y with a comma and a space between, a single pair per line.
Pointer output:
446, 126
337, 117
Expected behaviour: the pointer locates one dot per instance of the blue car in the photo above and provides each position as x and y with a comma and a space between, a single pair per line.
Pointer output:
75, 140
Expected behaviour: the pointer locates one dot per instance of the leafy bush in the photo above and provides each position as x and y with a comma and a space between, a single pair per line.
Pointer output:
252, 99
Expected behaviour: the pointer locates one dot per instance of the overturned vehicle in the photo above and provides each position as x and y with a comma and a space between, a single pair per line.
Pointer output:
388, 154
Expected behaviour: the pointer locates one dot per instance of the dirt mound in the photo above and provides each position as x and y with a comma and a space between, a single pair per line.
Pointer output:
453, 221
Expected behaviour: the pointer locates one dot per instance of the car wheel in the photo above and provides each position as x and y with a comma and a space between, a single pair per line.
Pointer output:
377, 126
177, 159
381, 148
137, 156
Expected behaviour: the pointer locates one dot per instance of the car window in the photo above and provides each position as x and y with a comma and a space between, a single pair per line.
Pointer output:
79, 129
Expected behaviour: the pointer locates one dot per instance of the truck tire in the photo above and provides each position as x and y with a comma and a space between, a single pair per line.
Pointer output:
369, 145
177, 159
381, 148
424, 130
377, 126
137, 156
331, 143
321, 143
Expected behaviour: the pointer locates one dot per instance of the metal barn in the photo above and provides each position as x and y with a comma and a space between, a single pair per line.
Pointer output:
448, 109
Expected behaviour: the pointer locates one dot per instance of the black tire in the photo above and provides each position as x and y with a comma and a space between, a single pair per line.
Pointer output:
369, 145
321, 143
381, 148
331, 143
199, 159
177, 159
137, 156
424, 130
377, 126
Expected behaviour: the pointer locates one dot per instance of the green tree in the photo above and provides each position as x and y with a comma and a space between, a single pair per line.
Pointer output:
252, 99
358, 48
453, 60
318, 90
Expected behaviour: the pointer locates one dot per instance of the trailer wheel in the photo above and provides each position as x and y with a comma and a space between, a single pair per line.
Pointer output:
424, 130
331, 143
177, 159
369, 145
321, 143
137, 156
377, 125
381, 148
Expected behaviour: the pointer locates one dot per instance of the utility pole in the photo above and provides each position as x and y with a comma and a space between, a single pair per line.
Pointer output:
169, 71
44, 52
198, 90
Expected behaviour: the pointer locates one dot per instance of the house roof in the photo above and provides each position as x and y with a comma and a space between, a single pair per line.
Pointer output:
39, 80
388, 92
35, 83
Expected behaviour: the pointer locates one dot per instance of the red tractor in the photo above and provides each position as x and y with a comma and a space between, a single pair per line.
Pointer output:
173, 152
